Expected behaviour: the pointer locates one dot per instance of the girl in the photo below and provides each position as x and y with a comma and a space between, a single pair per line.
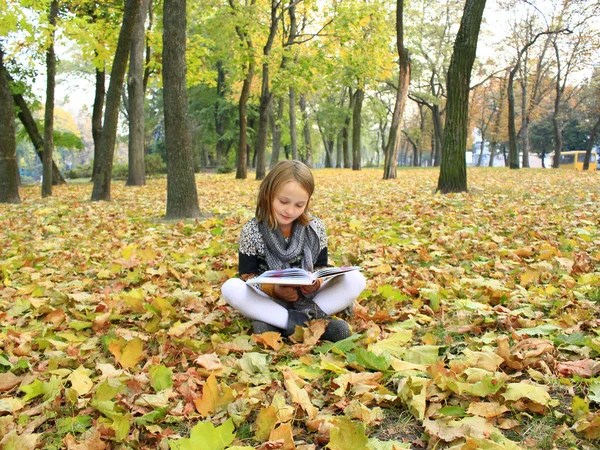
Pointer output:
284, 235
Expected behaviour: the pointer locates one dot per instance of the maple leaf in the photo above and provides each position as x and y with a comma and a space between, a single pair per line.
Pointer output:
213, 397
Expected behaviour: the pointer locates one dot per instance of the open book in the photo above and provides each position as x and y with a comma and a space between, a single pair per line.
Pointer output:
299, 277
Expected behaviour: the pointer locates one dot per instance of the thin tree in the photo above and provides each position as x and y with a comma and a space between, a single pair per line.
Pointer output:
393, 142
49, 109
9, 181
28, 122
453, 170
265, 93
102, 179
306, 131
248, 68
182, 196
135, 87
359, 96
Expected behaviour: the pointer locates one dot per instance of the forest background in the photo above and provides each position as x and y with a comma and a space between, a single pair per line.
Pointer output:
329, 66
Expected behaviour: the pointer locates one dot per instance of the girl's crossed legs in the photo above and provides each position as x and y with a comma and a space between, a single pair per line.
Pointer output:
334, 296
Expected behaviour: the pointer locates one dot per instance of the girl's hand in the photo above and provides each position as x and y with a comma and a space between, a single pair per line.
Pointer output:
310, 288
287, 293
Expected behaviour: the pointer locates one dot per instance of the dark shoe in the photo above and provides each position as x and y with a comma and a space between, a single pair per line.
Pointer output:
259, 327
297, 318
336, 330
304, 304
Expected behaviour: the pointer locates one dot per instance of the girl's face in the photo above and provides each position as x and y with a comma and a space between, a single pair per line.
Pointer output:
289, 204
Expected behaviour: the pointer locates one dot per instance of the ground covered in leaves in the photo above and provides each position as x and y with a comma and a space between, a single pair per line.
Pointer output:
479, 328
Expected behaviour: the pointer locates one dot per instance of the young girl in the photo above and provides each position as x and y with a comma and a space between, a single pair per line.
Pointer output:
284, 235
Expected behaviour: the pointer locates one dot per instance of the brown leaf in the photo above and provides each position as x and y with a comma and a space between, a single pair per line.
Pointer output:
8, 381
270, 339
585, 368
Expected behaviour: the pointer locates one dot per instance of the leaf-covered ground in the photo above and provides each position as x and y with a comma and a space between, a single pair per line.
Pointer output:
479, 328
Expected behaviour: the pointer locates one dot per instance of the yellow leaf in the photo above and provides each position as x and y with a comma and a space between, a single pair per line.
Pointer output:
164, 307
134, 299
530, 276
128, 354
128, 251
104, 274
284, 431
213, 398
146, 255
80, 381
299, 395
383, 269
487, 409
266, 420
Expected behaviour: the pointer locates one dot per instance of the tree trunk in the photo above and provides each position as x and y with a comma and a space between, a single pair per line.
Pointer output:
219, 117
359, 95
293, 129
453, 170
496, 130
182, 196
242, 151
590, 144
265, 95
438, 128
513, 152
9, 170
481, 151
33, 132
276, 132
339, 151
306, 131
101, 190
346, 131
147, 70
263, 118
135, 85
97, 118
49, 108
393, 144
559, 89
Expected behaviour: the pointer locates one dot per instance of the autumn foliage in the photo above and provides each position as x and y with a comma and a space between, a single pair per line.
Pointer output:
478, 328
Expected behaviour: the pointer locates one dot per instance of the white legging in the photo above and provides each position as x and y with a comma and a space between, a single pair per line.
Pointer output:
333, 296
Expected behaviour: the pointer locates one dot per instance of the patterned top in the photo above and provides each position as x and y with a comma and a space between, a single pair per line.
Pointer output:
252, 258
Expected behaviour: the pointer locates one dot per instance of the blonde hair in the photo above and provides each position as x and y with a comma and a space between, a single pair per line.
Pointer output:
282, 173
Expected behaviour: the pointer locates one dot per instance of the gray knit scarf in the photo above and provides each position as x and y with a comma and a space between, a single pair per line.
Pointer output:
303, 241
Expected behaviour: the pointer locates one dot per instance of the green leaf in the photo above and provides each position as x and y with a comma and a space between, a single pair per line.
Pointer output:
346, 435
594, 392
108, 390
376, 444
79, 325
151, 417
77, 424
517, 391
33, 390
161, 377
422, 354
540, 330
453, 411
206, 437
370, 360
